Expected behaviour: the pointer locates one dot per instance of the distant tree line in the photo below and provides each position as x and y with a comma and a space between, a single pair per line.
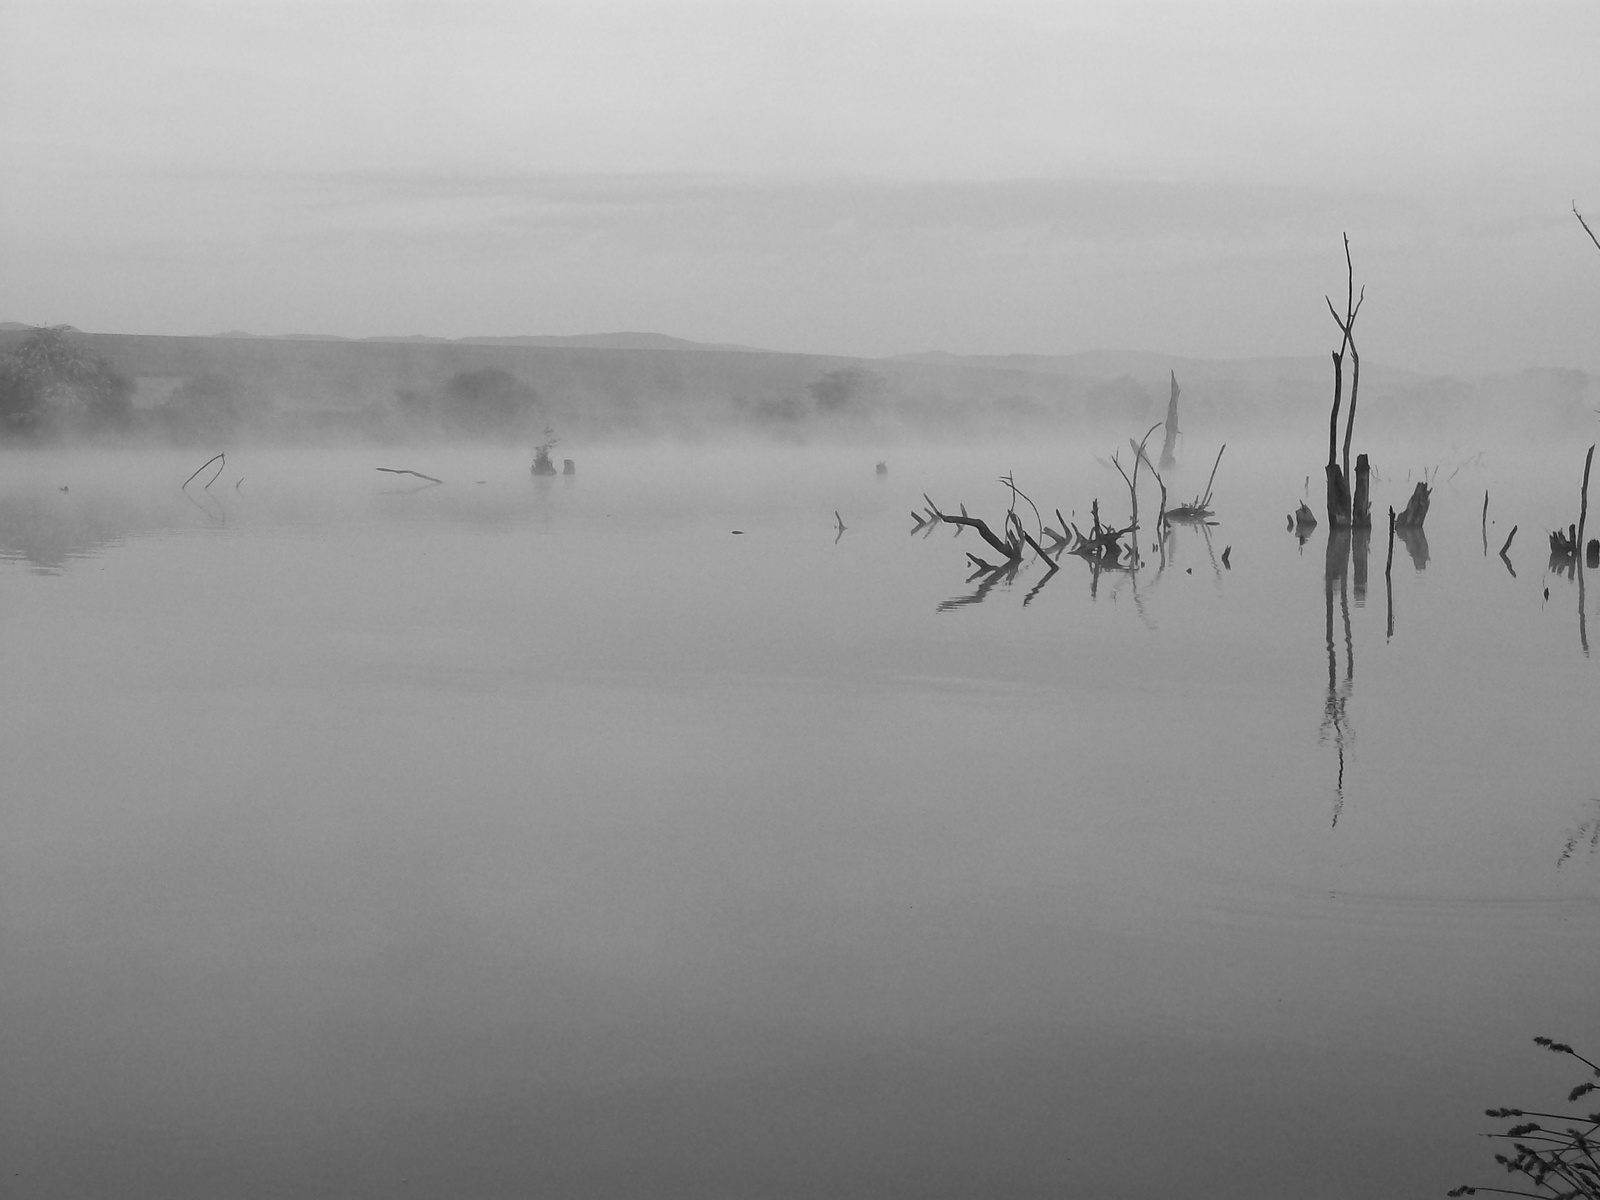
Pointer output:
490, 403
51, 384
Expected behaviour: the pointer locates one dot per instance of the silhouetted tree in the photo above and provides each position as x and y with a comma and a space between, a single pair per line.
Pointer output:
51, 383
837, 390
487, 403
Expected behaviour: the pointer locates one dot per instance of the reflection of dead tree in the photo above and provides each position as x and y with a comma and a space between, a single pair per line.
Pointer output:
1415, 540
1335, 703
987, 578
1302, 521
1340, 515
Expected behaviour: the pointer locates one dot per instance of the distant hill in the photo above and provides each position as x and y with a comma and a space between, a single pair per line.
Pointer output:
593, 341
22, 327
609, 341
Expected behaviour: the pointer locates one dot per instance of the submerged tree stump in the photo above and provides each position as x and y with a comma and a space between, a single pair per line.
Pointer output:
1361, 508
1416, 509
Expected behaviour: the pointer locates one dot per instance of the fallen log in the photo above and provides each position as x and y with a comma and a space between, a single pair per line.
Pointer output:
405, 471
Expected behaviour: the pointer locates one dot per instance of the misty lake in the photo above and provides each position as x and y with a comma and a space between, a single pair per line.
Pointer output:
547, 837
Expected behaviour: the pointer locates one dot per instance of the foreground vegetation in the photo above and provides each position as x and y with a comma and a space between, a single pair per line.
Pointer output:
1559, 1161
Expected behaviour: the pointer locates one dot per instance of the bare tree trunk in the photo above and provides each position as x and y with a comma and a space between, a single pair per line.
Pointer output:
1171, 437
1361, 508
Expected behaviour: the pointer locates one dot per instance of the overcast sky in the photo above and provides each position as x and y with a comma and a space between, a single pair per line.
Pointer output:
869, 177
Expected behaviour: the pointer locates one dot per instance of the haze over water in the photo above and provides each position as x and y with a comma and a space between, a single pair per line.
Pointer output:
549, 837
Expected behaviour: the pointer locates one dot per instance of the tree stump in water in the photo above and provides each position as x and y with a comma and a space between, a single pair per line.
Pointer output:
1416, 509
1361, 510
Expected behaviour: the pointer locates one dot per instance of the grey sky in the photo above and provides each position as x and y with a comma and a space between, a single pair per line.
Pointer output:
867, 177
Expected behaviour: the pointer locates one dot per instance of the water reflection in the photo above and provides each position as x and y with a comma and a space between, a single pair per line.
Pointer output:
989, 578
1415, 541
1563, 562
1584, 837
1335, 715
49, 530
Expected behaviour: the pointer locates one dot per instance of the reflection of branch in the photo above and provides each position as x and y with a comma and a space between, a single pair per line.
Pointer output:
1506, 547
990, 576
1587, 831
216, 512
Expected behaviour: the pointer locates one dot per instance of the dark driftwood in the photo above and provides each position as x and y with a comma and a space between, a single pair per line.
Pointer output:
1416, 511
1011, 549
404, 471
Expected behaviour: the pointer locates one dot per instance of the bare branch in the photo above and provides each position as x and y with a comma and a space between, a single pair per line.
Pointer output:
1585, 225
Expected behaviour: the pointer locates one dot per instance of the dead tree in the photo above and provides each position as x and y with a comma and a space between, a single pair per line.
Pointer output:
1170, 440
1416, 509
1340, 515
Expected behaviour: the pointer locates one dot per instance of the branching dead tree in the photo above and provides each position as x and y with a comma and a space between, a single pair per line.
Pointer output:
1340, 515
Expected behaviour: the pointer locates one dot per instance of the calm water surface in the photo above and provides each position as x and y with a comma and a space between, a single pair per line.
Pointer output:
545, 837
